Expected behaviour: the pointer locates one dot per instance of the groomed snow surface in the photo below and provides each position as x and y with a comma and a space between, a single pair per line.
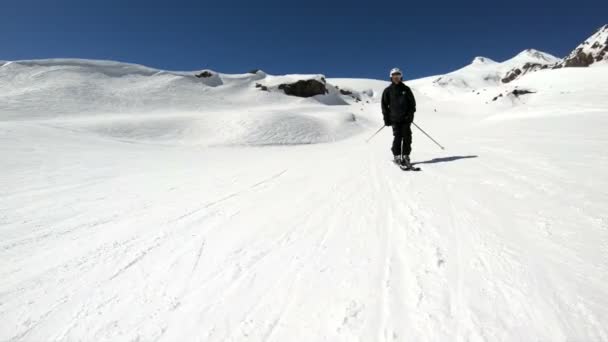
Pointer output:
146, 205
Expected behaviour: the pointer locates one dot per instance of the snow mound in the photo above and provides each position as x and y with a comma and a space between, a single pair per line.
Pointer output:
254, 127
108, 68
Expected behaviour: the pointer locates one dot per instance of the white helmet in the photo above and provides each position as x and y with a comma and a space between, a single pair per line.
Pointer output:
395, 71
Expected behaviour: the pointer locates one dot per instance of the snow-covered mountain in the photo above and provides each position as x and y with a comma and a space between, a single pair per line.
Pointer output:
151, 205
593, 50
527, 61
483, 72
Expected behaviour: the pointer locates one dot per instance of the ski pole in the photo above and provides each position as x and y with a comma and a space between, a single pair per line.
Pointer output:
421, 130
373, 135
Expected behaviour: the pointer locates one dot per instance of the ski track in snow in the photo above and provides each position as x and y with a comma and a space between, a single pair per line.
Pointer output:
371, 252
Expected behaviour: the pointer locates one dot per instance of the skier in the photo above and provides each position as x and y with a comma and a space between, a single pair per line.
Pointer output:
398, 108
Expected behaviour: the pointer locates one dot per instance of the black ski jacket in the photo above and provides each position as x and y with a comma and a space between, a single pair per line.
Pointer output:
398, 103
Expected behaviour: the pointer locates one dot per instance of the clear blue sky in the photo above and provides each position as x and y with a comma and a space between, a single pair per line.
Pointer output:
337, 38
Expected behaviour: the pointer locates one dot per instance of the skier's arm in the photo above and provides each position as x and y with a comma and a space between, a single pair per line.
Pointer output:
412, 99
385, 108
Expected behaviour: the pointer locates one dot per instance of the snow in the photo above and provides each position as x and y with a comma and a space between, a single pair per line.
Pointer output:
141, 204
276, 80
479, 60
566, 91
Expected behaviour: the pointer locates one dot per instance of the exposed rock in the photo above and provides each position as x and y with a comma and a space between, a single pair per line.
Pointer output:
351, 94
593, 50
518, 92
304, 88
526, 68
511, 75
515, 93
496, 98
204, 74
579, 59
261, 87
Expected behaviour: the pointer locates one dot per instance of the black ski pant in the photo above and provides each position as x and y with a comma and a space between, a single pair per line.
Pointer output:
402, 141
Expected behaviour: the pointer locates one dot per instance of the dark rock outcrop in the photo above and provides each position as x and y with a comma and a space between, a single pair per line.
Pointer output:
261, 87
526, 68
204, 74
515, 93
511, 75
304, 88
579, 58
349, 93
593, 50
518, 92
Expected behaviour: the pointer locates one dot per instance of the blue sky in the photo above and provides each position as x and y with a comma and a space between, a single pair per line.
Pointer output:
336, 38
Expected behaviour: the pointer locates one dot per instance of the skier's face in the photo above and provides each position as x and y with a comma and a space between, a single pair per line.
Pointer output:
396, 77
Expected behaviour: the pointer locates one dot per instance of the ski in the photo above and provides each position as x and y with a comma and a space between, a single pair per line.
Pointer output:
406, 168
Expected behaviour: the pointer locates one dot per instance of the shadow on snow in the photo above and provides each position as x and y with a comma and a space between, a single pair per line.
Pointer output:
444, 160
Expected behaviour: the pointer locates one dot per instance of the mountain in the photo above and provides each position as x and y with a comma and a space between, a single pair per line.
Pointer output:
527, 61
593, 50
484, 72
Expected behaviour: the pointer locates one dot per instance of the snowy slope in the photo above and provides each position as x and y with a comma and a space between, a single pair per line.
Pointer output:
371, 88
133, 102
555, 92
139, 204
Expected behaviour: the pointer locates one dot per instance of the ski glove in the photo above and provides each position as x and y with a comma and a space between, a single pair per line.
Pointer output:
410, 117
387, 121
